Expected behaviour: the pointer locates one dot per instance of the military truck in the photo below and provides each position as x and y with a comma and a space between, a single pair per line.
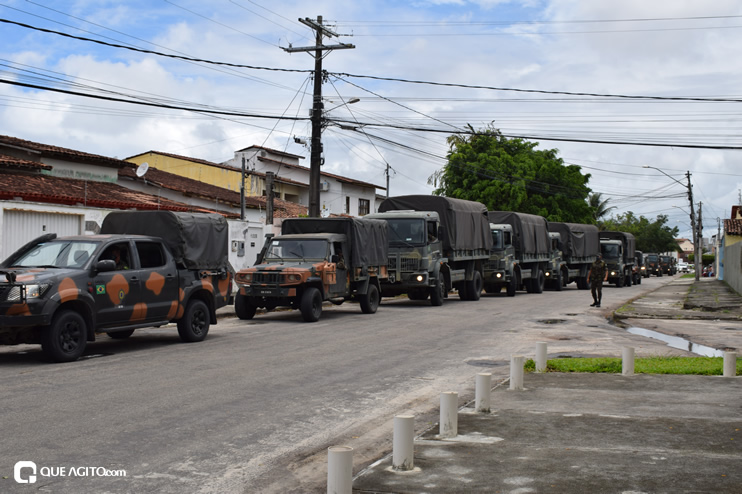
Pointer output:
639, 267
316, 260
436, 244
618, 249
556, 265
146, 268
652, 263
580, 246
667, 265
520, 252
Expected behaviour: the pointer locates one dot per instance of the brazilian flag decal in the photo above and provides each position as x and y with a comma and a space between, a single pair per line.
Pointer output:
100, 289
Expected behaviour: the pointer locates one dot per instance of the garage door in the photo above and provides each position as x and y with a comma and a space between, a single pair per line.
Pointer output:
20, 227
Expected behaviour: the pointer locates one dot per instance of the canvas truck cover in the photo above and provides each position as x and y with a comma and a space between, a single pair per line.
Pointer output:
628, 240
578, 240
196, 240
464, 222
368, 237
530, 231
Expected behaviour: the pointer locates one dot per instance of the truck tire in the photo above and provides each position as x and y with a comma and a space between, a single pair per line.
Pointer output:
311, 304
619, 281
474, 287
65, 339
512, 286
194, 325
538, 283
121, 335
582, 283
243, 307
437, 293
628, 280
559, 283
370, 301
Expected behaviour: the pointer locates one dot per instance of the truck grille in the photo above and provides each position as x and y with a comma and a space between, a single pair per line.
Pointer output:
406, 263
272, 278
10, 292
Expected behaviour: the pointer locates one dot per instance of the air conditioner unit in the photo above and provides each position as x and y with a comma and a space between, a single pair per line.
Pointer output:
324, 186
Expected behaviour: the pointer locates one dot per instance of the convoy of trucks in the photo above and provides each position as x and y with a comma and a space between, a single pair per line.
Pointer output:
151, 268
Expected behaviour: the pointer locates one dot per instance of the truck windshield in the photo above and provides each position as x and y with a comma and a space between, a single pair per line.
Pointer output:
297, 249
57, 254
651, 258
609, 251
496, 240
406, 231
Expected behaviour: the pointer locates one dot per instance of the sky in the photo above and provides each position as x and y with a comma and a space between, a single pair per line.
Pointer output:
615, 87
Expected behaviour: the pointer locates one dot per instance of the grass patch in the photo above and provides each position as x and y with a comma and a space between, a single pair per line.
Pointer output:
688, 275
701, 366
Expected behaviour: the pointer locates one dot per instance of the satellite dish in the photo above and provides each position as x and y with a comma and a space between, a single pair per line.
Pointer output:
142, 169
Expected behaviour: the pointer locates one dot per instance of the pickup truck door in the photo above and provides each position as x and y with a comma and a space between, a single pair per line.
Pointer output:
159, 279
117, 293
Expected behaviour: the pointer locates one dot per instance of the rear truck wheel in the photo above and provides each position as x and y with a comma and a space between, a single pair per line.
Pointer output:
121, 335
619, 281
437, 293
311, 304
558, 282
462, 289
65, 339
370, 301
194, 325
638, 280
628, 280
538, 283
244, 307
582, 283
474, 287
512, 286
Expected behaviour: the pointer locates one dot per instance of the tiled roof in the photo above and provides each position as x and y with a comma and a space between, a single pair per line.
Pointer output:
21, 164
272, 151
339, 178
190, 187
48, 151
733, 227
57, 190
186, 158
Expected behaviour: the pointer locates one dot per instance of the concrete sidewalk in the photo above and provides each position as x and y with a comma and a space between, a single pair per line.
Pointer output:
598, 433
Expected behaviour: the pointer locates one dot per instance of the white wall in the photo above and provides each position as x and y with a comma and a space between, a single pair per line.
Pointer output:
733, 266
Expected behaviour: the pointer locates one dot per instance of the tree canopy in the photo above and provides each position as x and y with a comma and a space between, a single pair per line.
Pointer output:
651, 236
512, 175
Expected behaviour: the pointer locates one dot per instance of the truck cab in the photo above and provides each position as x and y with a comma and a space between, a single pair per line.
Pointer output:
556, 271
612, 252
652, 263
500, 269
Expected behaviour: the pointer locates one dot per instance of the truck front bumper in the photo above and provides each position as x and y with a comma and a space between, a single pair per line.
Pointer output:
273, 291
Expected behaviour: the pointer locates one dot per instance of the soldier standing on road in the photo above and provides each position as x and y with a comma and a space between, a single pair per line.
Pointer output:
598, 273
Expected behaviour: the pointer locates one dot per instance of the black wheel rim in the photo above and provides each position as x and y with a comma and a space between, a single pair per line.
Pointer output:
69, 337
198, 323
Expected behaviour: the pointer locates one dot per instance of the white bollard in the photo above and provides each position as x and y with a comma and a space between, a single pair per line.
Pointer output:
482, 393
449, 424
516, 372
403, 449
541, 356
730, 364
627, 361
339, 470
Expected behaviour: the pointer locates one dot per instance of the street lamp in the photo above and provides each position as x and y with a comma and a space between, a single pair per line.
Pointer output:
696, 246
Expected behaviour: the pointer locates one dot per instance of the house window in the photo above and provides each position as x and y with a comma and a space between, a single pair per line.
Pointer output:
364, 207
347, 204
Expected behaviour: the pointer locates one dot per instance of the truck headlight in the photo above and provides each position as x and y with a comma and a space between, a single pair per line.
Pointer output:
547, 274
243, 278
420, 278
32, 291
293, 277
498, 275
613, 273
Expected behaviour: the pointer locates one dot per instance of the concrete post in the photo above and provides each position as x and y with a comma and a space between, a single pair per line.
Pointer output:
730, 364
627, 361
339, 470
516, 372
449, 422
483, 392
403, 448
541, 356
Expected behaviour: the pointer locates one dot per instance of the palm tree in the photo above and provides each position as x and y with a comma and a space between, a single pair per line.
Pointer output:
599, 206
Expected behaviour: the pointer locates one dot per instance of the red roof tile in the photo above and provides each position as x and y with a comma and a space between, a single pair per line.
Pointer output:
45, 150
21, 164
733, 227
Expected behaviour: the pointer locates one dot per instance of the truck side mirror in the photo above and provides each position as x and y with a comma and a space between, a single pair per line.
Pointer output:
105, 265
335, 259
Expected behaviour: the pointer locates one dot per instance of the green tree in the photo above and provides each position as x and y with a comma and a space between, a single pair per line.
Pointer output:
512, 175
651, 236
599, 206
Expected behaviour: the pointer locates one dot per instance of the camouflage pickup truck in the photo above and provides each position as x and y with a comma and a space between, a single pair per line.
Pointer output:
60, 292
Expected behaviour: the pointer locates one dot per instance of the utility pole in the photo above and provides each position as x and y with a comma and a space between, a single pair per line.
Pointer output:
268, 198
242, 191
315, 160
696, 246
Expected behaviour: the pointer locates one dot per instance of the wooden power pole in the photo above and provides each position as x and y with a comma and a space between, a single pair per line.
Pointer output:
315, 160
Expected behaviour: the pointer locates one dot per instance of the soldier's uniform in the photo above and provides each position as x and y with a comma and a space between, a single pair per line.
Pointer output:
597, 275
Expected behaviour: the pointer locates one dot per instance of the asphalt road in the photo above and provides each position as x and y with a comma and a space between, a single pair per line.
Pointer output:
255, 406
